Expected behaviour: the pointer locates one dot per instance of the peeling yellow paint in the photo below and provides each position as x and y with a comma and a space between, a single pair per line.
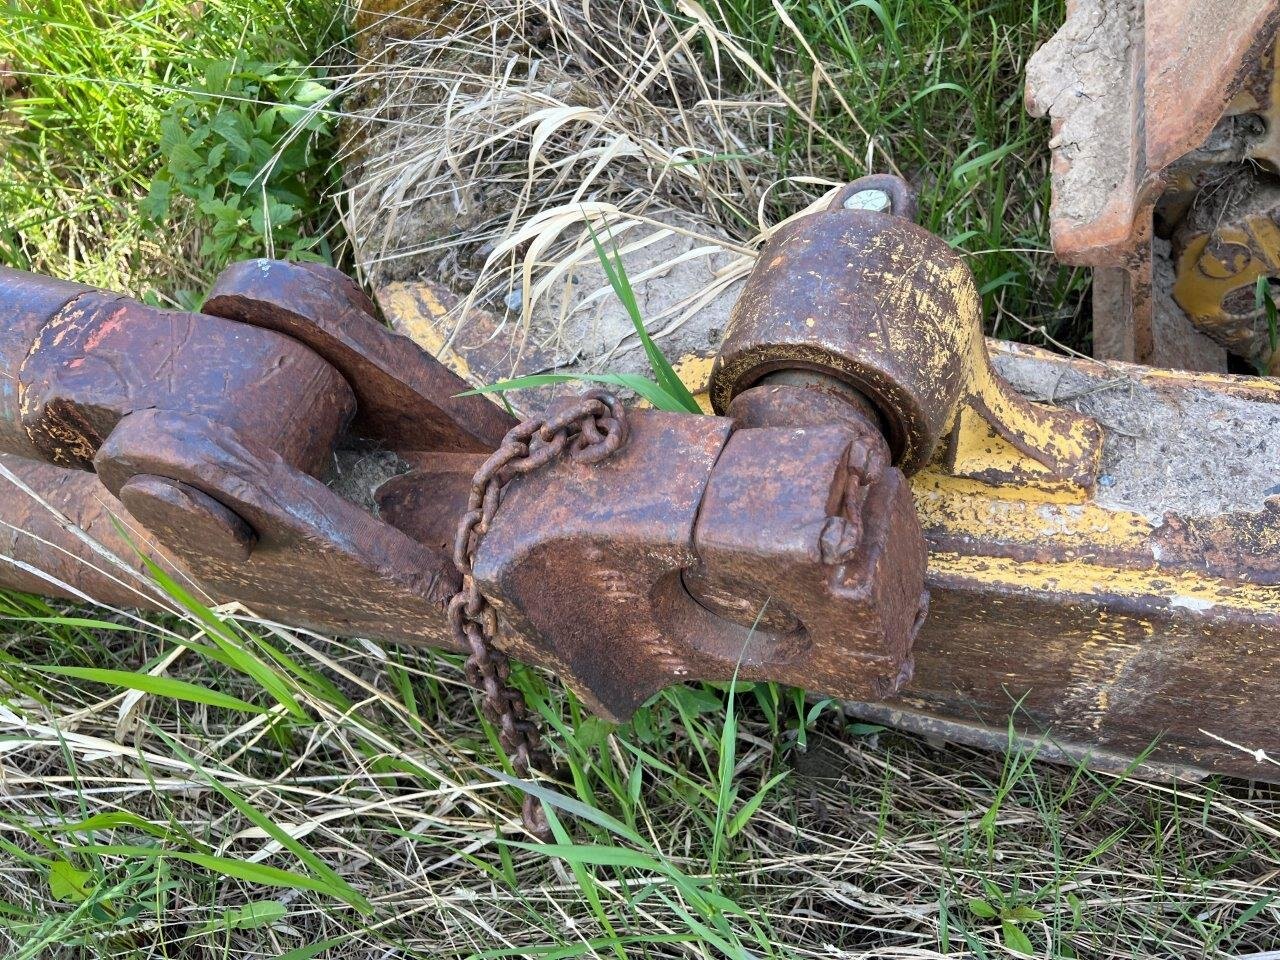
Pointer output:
958, 506
1002, 439
418, 311
694, 371
1187, 591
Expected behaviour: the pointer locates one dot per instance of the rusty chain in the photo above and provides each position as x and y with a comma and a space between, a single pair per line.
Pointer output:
588, 428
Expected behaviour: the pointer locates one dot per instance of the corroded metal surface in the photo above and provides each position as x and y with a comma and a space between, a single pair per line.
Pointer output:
217, 431
1147, 97
587, 429
1111, 627
218, 437
884, 306
732, 562
27, 303
103, 357
778, 542
406, 400
1131, 87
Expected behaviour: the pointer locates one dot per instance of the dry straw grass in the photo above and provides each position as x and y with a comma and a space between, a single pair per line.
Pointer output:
136, 825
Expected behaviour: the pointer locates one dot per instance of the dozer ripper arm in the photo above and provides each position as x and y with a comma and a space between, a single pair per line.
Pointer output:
869, 462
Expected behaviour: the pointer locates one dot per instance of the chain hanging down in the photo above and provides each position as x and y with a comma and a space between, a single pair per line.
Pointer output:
588, 429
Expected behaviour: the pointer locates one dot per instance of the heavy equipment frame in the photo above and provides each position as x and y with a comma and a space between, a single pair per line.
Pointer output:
941, 530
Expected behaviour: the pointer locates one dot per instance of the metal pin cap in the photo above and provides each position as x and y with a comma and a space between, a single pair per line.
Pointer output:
877, 201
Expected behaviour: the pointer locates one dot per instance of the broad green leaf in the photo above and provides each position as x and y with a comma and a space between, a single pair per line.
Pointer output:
816, 710
159, 686
155, 205
980, 908
1015, 939
864, 729
68, 884
1022, 914
695, 700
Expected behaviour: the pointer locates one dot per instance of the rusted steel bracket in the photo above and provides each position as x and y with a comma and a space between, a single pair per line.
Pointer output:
781, 549
908, 339
858, 406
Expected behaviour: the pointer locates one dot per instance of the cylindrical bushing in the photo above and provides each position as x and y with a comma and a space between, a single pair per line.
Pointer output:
83, 359
870, 299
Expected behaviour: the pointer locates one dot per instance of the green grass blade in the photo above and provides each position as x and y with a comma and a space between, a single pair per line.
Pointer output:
749, 808
116, 819
255, 873
662, 369
159, 686
1263, 300
341, 889
229, 645
571, 806
312, 950
658, 397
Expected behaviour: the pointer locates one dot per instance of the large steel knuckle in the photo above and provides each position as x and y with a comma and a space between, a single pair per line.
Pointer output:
100, 357
406, 399
767, 553
796, 538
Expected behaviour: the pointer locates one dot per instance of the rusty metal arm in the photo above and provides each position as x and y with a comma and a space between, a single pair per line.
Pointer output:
225, 436
221, 439
1117, 599
858, 407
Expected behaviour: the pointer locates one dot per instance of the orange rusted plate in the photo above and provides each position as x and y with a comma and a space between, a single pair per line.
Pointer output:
1198, 55
1131, 88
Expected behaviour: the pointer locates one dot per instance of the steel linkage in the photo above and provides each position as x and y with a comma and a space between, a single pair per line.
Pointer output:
283, 449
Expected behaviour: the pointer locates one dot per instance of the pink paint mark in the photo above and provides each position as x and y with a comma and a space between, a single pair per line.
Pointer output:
107, 327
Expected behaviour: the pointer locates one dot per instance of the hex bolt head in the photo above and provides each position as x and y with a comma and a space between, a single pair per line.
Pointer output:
876, 201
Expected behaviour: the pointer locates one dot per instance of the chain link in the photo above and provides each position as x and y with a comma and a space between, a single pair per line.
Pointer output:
588, 429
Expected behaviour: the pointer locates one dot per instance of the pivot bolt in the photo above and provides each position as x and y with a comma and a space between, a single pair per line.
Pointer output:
877, 201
